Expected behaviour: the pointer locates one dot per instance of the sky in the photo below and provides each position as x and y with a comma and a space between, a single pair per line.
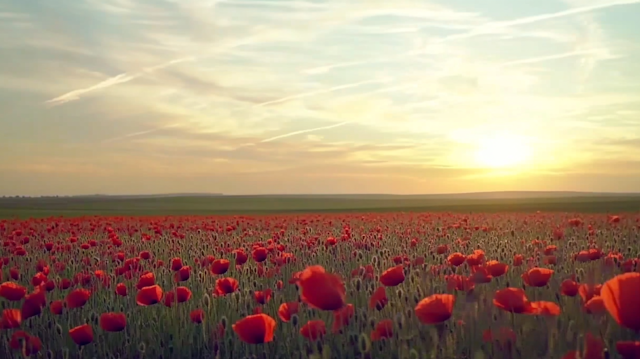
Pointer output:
334, 96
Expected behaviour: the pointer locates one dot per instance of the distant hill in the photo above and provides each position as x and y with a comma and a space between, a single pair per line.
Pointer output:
470, 195
211, 204
372, 196
160, 195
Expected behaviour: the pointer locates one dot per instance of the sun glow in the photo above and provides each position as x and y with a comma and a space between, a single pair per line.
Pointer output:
502, 151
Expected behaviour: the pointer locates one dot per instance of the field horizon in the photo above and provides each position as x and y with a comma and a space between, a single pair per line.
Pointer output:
468, 195
219, 204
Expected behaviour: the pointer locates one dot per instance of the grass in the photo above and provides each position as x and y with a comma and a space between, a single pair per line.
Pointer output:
249, 205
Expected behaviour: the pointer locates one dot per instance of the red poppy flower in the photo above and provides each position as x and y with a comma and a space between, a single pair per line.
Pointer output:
435, 308
537, 277
378, 299
255, 329
620, 296
197, 316
460, 283
183, 294
513, 300
313, 330
183, 274
456, 259
442, 249
259, 254
241, 257
121, 289
595, 305
225, 286
147, 279
496, 269
33, 304
588, 291
342, 317
322, 290
220, 266
77, 298
383, 329
12, 291
286, 310
569, 288
169, 298
149, 295
480, 275
545, 308
393, 276
518, 259
113, 322
176, 264
475, 259
56, 307
82, 335
11, 318
262, 297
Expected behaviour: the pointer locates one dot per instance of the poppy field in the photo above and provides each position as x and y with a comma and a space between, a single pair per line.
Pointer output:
322, 286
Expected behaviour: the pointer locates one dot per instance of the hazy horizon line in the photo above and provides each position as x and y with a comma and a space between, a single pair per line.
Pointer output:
220, 194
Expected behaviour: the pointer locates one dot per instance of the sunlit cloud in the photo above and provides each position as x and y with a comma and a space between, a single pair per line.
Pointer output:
118, 79
409, 96
294, 133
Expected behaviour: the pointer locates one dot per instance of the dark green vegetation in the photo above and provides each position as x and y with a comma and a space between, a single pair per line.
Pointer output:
212, 205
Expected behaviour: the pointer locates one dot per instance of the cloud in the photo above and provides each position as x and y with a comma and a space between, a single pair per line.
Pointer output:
207, 89
482, 29
118, 79
294, 133
318, 92
139, 133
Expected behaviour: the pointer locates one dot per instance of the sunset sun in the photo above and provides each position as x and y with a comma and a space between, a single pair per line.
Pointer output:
502, 151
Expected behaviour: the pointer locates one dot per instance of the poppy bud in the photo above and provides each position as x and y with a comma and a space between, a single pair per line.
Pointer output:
364, 344
206, 301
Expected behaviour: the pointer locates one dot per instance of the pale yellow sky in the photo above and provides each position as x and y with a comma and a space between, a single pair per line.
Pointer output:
335, 96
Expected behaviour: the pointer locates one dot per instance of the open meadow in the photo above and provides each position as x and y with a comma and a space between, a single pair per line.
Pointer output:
487, 283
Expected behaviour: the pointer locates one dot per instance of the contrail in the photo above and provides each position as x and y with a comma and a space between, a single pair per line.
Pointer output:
305, 131
550, 57
75, 94
480, 30
135, 134
577, 10
118, 79
317, 92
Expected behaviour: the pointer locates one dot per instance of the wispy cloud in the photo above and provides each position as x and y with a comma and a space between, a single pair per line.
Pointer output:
140, 133
482, 29
112, 81
322, 91
294, 133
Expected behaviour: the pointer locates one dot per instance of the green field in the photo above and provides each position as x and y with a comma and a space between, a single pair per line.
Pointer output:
246, 205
